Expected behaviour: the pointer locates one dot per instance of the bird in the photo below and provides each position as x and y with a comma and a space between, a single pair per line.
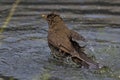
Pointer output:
63, 42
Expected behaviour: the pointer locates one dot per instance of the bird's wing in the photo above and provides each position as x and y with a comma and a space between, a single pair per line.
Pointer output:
60, 42
74, 36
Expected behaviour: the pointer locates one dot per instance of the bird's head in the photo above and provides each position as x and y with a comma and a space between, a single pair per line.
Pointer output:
52, 18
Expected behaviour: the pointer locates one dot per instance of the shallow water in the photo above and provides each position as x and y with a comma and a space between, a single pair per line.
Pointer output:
24, 52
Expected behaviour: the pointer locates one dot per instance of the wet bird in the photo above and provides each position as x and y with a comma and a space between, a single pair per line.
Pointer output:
63, 42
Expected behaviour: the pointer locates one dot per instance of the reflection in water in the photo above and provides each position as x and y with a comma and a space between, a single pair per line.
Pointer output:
24, 52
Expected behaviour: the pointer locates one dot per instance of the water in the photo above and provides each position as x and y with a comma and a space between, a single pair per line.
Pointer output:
25, 55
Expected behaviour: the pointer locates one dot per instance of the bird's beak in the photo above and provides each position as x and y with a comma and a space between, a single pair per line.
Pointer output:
44, 16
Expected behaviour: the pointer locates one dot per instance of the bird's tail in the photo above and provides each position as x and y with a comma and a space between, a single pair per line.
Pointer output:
85, 60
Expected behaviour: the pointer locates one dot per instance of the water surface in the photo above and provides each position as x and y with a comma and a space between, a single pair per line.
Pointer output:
25, 55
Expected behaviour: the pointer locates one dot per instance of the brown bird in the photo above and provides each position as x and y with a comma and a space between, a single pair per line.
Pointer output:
63, 42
